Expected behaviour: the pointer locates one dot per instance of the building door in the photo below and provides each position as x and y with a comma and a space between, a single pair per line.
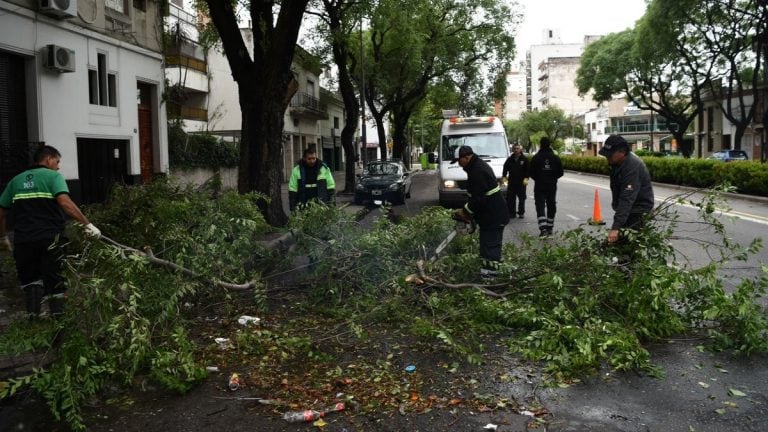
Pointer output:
146, 142
101, 164
15, 151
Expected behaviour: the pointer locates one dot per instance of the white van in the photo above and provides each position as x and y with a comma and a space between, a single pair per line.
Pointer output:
488, 140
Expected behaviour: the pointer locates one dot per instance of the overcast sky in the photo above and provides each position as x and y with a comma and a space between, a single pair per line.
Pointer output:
574, 19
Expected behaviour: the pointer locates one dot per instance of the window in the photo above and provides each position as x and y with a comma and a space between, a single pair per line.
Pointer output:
117, 5
140, 5
311, 88
102, 85
335, 122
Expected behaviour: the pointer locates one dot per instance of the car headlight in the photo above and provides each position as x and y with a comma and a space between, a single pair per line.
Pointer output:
394, 186
449, 184
360, 187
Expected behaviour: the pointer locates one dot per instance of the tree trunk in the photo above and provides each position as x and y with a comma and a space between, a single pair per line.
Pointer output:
738, 135
400, 138
682, 146
340, 49
265, 85
351, 115
261, 146
382, 133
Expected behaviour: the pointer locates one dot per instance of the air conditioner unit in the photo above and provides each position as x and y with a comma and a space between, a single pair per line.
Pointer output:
58, 58
60, 9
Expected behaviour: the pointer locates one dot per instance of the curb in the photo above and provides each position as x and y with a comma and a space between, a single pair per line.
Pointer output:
753, 198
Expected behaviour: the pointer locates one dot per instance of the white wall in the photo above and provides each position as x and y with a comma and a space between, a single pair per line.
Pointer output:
515, 102
539, 53
62, 109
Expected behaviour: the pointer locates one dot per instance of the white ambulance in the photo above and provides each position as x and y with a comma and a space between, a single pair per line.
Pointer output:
488, 140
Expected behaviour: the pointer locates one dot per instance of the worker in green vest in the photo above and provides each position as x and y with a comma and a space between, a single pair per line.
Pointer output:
311, 179
39, 199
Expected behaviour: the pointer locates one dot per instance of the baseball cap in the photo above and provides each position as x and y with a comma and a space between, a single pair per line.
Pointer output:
461, 152
613, 143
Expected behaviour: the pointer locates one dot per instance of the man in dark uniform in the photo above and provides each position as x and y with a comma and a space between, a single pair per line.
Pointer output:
486, 205
39, 199
631, 188
516, 166
545, 169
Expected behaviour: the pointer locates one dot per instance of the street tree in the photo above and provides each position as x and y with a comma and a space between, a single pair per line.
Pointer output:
265, 86
647, 72
335, 41
550, 122
719, 40
412, 44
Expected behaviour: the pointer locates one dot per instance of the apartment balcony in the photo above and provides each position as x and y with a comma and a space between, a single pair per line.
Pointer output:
187, 61
176, 110
188, 78
306, 106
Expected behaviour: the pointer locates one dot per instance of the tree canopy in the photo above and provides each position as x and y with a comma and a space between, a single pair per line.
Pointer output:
411, 45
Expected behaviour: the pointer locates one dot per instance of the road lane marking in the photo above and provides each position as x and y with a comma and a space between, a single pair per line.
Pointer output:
762, 220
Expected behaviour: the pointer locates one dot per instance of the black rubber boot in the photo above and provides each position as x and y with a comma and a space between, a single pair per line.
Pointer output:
56, 304
34, 297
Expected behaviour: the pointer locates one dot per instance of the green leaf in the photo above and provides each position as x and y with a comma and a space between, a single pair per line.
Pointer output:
736, 393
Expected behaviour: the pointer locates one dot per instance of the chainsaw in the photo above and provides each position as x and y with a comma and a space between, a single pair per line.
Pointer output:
463, 226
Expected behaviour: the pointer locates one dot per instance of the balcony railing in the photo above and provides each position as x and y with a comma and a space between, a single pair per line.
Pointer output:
182, 60
639, 128
176, 110
307, 106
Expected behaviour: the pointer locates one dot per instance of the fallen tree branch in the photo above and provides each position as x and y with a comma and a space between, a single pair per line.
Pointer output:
481, 287
173, 266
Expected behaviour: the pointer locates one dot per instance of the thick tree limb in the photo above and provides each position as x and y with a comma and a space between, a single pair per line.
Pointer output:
173, 266
482, 288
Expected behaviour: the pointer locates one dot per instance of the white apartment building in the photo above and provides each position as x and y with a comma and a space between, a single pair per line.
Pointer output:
186, 67
556, 86
85, 77
551, 47
515, 101
303, 120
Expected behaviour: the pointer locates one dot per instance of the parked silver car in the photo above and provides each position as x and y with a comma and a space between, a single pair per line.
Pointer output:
729, 155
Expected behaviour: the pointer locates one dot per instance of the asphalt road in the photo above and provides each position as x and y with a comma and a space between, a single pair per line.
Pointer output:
745, 218
696, 393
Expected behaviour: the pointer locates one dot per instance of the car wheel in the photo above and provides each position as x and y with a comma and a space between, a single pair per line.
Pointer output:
401, 197
358, 200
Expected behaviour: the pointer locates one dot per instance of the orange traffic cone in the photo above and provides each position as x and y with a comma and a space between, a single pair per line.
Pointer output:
596, 218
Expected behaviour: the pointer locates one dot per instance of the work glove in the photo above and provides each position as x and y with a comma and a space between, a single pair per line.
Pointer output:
525, 181
5, 244
92, 231
462, 215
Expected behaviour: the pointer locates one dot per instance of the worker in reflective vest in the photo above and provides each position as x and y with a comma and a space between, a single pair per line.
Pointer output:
486, 205
311, 179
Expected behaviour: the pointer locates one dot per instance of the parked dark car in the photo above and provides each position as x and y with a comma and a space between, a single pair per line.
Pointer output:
383, 181
729, 155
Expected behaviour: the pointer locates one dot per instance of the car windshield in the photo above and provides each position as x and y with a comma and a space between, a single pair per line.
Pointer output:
483, 144
381, 169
